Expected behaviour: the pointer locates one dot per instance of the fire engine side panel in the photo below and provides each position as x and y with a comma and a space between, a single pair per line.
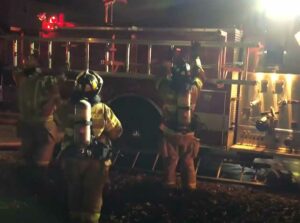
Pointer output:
127, 59
116, 85
273, 92
212, 118
213, 121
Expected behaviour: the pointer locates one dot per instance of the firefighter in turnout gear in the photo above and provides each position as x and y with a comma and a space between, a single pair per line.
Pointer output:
88, 126
178, 142
38, 97
30, 66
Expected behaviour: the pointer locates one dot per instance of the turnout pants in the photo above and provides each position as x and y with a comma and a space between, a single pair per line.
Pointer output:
38, 142
85, 180
183, 147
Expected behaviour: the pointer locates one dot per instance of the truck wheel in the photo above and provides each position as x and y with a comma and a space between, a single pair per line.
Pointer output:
140, 120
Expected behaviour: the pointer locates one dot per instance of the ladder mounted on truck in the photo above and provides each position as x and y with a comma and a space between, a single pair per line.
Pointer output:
126, 49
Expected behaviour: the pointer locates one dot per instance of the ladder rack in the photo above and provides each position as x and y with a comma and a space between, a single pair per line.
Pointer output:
22, 46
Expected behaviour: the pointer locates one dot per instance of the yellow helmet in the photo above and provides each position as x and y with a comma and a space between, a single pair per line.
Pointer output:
89, 83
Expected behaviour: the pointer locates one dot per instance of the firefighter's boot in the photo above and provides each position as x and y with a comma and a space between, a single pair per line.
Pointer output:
188, 174
170, 172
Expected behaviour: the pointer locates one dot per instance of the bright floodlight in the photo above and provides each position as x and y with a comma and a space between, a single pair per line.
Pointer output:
281, 9
297, 37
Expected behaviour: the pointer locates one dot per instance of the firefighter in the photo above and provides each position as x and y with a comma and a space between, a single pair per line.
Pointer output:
30, 66
38, 97
89, 125
178, 142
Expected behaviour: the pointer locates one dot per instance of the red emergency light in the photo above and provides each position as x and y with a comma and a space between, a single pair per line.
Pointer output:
109, 1
53, 22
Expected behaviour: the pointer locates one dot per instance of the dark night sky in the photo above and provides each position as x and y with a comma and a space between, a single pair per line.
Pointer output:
207, 13
188, 13
183, 13
161, 13
158, 13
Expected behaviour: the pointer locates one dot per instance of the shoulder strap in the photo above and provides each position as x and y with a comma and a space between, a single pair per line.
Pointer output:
104, 114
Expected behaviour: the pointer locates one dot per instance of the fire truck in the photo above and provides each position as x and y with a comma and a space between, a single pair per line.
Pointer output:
254, 115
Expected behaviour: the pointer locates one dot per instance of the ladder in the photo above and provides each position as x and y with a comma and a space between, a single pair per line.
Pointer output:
22, 46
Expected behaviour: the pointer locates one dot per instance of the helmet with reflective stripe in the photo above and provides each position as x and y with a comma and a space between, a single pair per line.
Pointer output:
181, 75
89, 83
181, 68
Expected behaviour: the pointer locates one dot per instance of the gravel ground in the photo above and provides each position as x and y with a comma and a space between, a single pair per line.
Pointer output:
136, 197
141, 198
